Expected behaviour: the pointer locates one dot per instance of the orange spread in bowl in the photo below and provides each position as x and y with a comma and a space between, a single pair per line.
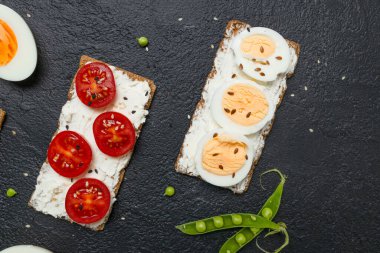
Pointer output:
244, 104
258, 46
223, 155
8, 43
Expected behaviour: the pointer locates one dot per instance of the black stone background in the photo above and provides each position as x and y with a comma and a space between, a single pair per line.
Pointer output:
331, 199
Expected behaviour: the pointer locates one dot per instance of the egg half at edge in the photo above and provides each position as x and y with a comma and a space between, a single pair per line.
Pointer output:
24, 62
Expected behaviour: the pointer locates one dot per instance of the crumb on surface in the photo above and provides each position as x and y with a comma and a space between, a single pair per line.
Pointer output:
25, 174
14, 132
28, 15
343, 77
188, 116
180, 19
215, 18
212, 46
292, 95
146, 49
122, 218
27, 226
305, 87
311, 130
319, 61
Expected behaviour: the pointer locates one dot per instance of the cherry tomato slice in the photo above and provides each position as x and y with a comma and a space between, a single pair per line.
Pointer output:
114, 133
95, 84
87, 201
69, 154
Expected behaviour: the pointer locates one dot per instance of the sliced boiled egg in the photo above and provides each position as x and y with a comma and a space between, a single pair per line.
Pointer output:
224, 159
261, 53
18, 52
242, 107
25, 249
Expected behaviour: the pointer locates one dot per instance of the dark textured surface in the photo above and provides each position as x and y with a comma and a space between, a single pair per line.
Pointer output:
331, 199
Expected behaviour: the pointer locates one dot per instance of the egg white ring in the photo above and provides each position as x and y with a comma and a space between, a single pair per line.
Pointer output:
218, 114
223, 181
276, 66
24, 62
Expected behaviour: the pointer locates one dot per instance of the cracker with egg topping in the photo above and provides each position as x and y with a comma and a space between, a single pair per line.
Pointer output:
185, 162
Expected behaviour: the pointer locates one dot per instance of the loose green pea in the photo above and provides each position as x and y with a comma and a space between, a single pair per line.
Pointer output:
11, 192
267, 213
143, 41
169, 191
240, 238
200, 226
218, 221
236, 219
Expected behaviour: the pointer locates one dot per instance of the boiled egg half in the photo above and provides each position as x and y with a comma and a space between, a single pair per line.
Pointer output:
18, 52
242, 107
224, 159
261, 53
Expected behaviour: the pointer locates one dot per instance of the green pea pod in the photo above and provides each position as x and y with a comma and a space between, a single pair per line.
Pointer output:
227, 221
268, 210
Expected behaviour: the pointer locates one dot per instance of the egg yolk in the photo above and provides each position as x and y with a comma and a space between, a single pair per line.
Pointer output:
244, 104
258, 46
223, 155
8, 43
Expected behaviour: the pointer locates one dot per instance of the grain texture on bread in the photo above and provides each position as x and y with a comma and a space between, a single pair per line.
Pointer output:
118, 178
201, 114
2, 117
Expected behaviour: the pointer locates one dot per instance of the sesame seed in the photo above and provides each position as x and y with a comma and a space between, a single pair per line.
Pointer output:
305, 87
27, 226
25, 174
188, 116
292, 95
319, 61
311, 130
180, 19
13, 132
343, 77
28, 15
146, 49
212, 46
122, 218
215, 18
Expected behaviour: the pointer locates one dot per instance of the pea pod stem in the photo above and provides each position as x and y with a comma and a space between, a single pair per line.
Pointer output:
286, 242
273, 203
235, 220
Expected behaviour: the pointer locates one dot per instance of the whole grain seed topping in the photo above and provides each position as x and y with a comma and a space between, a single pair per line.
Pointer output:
133, 112
215, 154
96, 171
233, 111
262, 74
267, 62
257, 69
279, 58
227, 110
146, 93
233, 175
90, 171
241, 66
246, 157
230, 93
261, 49
233, 75
248, 114
236, 150
249, 30
215, 134
221, 167
125, 98
67, 127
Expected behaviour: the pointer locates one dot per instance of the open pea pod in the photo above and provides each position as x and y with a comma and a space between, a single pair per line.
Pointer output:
268, 210
227, 221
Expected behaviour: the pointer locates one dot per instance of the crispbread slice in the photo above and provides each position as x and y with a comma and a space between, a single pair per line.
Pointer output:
83, 60
2, 117
233, 28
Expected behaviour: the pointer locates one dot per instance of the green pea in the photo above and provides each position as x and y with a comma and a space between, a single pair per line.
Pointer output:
11, 192
169, 191
236, 219
240, 238
218, 221
143, 41
267, 213
255, 230
200, 226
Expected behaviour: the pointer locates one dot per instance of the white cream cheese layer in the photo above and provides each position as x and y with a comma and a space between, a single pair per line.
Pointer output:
131, 98
203, 122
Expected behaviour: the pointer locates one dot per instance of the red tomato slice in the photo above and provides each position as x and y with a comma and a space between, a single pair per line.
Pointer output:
69, 154
87, 200
114, 133
95, 84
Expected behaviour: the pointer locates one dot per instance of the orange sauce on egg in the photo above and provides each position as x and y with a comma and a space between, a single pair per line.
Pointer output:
8, 43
